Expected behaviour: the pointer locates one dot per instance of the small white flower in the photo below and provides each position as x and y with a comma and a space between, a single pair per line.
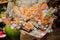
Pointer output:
13, 26
45, 12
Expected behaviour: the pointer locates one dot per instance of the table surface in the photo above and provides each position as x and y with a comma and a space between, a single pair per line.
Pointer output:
35, 33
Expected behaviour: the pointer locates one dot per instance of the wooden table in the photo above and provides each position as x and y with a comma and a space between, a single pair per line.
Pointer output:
35, 33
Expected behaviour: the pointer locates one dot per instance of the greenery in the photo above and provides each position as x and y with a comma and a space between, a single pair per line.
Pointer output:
14, 1
12, 34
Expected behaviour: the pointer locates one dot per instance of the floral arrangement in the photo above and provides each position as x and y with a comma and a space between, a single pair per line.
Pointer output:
29, 15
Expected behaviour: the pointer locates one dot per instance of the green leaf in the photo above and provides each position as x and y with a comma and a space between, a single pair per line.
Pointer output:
12, 33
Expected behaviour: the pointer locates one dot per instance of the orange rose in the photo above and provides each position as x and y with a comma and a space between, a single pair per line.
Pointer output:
17, 21
44, 6
38, 16
45, 21
34, 8
29, 26
28, 14
26, 9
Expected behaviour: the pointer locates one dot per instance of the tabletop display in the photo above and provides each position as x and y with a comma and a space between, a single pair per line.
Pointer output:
31, 16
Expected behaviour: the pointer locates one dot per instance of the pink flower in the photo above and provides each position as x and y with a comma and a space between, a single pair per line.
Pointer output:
7, 21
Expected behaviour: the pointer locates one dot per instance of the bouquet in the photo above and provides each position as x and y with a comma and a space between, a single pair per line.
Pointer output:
27, 14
